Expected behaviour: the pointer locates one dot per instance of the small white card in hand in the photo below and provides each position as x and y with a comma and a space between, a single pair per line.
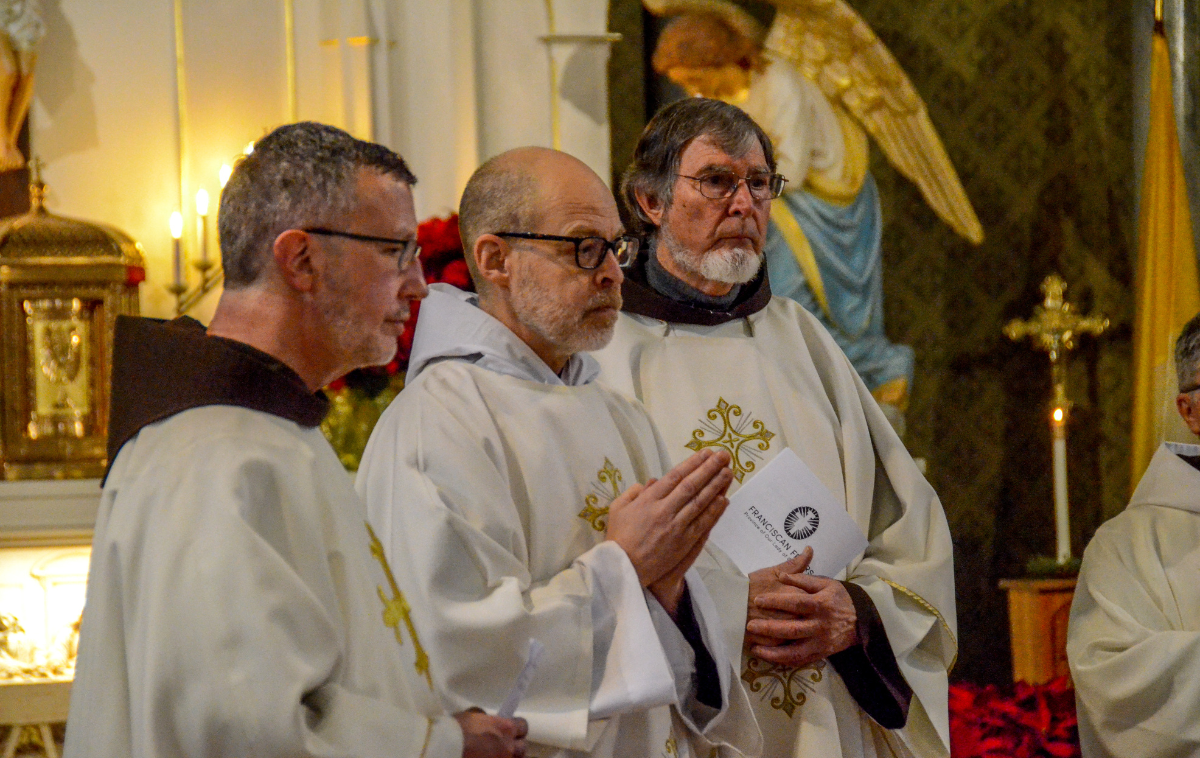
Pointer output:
509, 707
783, 509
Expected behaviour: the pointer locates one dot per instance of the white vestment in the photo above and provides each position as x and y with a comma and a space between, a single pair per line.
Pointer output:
234, 607
1134, 637
489, 481
775, 379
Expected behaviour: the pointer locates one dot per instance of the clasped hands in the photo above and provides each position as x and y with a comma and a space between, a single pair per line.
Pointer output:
663, 525
795, 619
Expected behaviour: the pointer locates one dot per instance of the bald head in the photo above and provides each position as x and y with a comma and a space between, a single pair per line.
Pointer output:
506, 193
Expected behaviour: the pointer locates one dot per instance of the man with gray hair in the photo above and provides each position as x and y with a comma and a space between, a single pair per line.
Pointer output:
1133, 641
237, 603
853, 664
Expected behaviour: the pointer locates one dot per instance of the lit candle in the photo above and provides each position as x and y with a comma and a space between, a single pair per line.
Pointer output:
176, 235
202, 223
249, 148
1062, 524
224, 174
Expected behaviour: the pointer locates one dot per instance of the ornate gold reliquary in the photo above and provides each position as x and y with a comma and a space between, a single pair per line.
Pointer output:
63, 283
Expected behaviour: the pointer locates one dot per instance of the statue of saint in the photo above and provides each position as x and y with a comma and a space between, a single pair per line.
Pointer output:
22, 28
818, 82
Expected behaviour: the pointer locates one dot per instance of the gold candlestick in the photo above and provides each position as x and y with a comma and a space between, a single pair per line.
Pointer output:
1054, 329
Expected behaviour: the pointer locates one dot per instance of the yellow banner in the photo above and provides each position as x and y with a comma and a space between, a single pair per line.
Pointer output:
1167, 292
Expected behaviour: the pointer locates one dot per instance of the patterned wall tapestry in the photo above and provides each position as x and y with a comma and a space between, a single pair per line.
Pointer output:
1033, 101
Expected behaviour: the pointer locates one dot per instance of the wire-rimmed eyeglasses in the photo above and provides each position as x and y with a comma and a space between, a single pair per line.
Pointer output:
720, 185
590, 251
411, 250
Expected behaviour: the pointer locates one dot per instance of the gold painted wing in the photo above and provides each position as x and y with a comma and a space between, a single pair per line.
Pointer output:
833, 46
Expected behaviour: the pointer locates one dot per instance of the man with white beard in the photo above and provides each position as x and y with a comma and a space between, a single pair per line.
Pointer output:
850, 665
519, 500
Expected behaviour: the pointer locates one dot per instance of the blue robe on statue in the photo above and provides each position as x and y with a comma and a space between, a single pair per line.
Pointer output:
845, 244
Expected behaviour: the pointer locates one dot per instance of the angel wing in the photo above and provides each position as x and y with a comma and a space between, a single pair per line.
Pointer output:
832, 45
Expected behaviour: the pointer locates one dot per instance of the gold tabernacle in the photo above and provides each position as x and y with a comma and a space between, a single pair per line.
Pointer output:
63, 283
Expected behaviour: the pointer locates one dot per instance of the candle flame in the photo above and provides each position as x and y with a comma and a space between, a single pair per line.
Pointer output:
202, 201
1058, 414
224, 174
249, 147
176, 224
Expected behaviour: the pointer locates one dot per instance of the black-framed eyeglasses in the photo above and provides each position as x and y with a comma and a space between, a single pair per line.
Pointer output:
410, 253
590, 251
720, 185
1189, 389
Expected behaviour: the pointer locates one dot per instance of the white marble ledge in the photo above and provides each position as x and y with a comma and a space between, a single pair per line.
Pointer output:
48, 511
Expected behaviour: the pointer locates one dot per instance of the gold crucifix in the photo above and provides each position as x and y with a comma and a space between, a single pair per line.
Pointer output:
1054, 329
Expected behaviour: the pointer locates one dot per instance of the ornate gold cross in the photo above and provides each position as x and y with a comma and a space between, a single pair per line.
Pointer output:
732, 436
1053, 328
608, 478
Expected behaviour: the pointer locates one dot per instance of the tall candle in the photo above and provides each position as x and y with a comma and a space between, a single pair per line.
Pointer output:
202, 223
1062, 523
176, 235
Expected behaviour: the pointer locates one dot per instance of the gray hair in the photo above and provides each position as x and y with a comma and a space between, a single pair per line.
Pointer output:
499, 197
1187, 353
656, 157
300, 175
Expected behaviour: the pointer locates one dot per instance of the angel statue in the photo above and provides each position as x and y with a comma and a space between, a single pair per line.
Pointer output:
22, 29
818, 82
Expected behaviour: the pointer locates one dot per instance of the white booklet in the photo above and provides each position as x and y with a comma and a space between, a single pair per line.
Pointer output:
783, 509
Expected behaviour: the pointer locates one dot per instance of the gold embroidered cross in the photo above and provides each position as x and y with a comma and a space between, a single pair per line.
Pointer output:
609, 478
732, 436
785, 686
396, 610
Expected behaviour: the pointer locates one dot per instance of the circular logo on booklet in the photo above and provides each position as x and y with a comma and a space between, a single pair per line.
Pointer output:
801, 523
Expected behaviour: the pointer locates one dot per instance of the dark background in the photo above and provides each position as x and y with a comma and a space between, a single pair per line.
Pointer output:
1033, 100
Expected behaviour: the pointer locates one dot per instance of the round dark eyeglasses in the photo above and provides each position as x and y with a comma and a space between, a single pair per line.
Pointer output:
411, 250
721, 185
590, 251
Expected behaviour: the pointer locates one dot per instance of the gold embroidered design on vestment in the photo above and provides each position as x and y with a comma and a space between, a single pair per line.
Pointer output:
744, 438
605, 489
397, 610
788, 688
672, 748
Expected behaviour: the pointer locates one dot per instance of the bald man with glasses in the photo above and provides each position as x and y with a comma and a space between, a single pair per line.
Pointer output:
519, 500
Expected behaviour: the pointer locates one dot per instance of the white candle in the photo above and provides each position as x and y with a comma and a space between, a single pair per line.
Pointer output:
1062, 523
176, 234
202, 223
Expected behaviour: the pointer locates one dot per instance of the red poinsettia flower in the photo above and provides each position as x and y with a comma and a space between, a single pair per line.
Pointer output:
1026, 721
441, 261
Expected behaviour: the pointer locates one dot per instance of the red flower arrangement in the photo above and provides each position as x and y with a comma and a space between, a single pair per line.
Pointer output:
1026, 721
441, 261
